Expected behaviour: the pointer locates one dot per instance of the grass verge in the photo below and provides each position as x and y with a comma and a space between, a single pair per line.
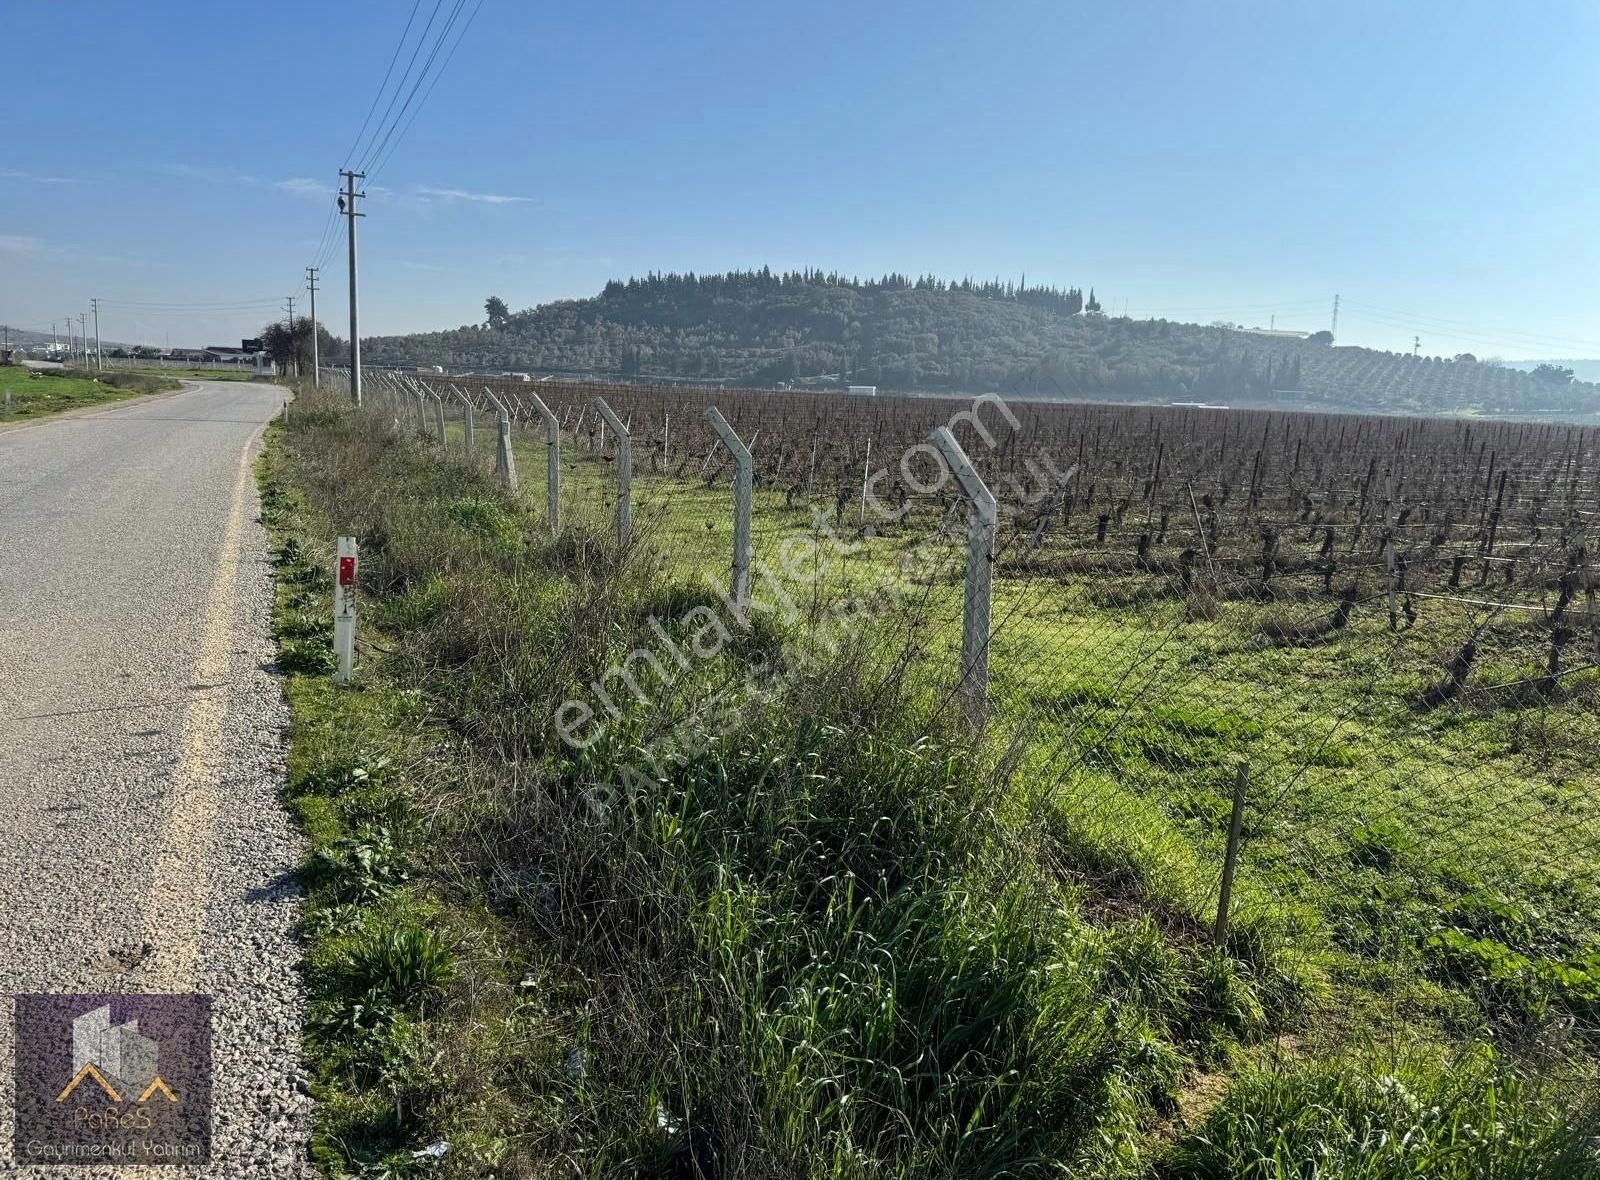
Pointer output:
36, 393
811, 935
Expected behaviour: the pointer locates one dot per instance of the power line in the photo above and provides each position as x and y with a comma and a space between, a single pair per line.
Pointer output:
1464, 331
1472, 337
382, 86
439, 74
220, 305
367, 157
333, 239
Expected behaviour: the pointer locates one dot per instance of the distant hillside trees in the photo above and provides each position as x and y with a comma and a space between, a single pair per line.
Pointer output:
905, 332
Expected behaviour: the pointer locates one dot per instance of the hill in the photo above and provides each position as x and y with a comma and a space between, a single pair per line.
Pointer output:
927, 334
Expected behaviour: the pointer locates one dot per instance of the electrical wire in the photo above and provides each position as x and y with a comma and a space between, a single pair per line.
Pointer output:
466, 25
384, 85
367, 157
379, 155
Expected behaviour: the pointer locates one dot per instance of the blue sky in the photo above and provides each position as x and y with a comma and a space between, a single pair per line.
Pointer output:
1432, 163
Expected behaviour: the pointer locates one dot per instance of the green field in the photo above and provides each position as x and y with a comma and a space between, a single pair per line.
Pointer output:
1441, 852
194, 374
824, 933
37, 393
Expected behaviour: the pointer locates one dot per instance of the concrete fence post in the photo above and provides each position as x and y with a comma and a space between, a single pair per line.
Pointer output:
552, 475
438, 416
344, 610
980, 569
466, 422
506, 460
743, 493
624, 473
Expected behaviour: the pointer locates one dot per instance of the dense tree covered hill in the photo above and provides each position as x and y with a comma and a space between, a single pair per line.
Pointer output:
904, 333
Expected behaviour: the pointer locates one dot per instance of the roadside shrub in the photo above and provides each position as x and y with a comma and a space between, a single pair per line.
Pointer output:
398, 966
1372, 1119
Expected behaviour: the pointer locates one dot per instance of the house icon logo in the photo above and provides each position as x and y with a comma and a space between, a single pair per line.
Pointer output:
119, 1059
116, 1079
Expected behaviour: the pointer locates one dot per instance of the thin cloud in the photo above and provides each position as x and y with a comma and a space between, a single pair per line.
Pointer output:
34, 177
210, 175
304, 186
20, 244
457, 194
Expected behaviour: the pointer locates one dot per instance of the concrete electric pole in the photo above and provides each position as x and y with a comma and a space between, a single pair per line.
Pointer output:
95, 303
294, 352
347, 206
316, 356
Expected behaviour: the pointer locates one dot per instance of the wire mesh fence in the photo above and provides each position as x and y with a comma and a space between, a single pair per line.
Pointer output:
1389, 624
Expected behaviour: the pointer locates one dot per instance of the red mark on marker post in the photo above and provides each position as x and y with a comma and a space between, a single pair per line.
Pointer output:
347, 571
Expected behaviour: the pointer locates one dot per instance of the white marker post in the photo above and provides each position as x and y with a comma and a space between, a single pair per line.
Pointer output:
344, 609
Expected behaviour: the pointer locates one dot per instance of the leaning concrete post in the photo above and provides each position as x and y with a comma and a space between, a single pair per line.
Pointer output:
980, 567
438, 416
552, 476
466, 421
624, 473
743, 492
506, 461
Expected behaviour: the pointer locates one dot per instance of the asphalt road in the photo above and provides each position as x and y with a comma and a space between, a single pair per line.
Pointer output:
143, 846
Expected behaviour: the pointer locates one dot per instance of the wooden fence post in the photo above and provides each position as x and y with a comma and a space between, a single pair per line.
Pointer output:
1230, 862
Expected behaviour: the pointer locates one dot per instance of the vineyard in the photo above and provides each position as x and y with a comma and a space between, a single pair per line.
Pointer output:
1392, 620
1365, 651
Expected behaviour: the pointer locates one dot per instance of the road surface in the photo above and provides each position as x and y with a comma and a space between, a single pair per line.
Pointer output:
143, 845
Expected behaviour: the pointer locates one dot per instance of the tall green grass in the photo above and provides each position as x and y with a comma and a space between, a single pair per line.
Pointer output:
783, 918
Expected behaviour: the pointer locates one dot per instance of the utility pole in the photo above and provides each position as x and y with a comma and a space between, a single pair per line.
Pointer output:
316, 358
1334, 329
1416, 346
67, 351
95, 303
83, 336
293, 351
347, 206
